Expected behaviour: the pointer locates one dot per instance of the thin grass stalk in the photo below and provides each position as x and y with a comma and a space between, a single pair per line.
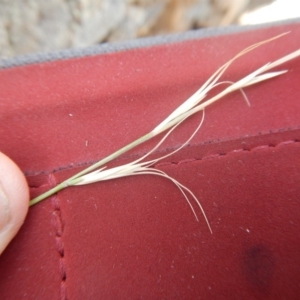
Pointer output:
184, 111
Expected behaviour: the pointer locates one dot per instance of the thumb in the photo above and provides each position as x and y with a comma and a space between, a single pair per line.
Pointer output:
14, 199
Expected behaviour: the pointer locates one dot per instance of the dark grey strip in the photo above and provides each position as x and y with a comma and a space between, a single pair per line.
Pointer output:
133, 44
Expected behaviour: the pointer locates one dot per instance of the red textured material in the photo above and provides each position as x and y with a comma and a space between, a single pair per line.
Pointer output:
136, 238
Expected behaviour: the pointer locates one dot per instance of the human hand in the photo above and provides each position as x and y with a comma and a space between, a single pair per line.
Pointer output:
14, 199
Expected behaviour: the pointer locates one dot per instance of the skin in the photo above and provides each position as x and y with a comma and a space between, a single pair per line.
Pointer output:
14, 199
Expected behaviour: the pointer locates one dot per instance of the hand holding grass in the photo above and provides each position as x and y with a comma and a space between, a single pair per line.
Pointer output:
14, 197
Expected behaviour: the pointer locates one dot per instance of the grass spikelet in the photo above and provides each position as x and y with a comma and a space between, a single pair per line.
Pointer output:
192, 105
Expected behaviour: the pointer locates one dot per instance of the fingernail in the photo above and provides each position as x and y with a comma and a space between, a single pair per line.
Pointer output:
4, 209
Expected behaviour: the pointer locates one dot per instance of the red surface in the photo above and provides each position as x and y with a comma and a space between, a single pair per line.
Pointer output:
136, 238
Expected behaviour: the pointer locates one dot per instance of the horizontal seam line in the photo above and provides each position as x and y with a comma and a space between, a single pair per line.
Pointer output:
210, 156
136, 156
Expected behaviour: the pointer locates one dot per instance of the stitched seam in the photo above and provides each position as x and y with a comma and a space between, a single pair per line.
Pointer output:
210, 156
135, 156
59, 230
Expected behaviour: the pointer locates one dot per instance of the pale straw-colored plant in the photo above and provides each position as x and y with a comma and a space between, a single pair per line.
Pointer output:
190, 107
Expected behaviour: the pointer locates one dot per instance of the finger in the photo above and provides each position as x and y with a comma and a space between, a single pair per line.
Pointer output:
14, 199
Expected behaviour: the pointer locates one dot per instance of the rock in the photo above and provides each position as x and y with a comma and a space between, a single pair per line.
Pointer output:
45, 25
34, 26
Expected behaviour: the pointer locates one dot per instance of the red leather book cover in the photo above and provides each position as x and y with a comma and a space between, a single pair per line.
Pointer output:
136, 237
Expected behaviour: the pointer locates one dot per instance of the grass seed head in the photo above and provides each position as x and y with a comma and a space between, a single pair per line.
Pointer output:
194, 104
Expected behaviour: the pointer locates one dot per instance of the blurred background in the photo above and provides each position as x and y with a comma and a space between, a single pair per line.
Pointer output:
30, 26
